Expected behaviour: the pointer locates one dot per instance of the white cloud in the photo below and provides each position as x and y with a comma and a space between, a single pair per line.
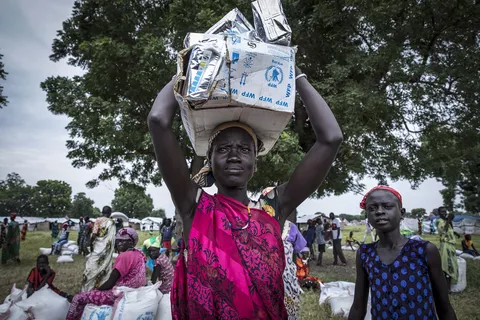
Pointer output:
32, 140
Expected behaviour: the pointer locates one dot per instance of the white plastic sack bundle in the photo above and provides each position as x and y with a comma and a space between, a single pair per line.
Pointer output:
4, 310
16, 294
64, 259
458, 252
340, 305
348, 248
67, 252
164, 311
71, 242
15, 313
336, 289
45, 304
466, 256
141, 303
93, 312
46, 251
462, 276
476, 258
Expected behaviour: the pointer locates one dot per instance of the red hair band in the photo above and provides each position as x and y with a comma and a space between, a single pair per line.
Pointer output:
397, 194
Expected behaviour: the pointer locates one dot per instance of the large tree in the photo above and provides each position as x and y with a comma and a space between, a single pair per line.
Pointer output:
82, 206
158, 213
16, 196
3, 76
52, 198
393, 72
132, 201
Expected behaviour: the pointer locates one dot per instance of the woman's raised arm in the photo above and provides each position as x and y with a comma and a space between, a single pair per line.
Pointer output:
170, 158
313, 169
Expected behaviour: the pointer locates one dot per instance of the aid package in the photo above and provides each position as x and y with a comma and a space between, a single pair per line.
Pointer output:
230, 74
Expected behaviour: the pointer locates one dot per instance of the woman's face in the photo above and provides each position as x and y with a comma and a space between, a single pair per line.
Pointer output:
123, 245
233, 158
153, 252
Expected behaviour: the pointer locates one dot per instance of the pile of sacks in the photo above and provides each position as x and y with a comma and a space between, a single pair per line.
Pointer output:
142, 303
463, 255
68, 249
43, 304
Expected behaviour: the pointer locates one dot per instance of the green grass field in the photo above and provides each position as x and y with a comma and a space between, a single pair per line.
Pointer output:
69, 275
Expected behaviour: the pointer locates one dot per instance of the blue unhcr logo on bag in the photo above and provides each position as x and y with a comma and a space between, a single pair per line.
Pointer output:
102, 314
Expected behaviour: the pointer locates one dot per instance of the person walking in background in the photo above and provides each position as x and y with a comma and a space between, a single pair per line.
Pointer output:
350, 241
337, 240
368, 230
320, 240
81, 230
447, 246
102, 244
310, 237
23, 233
84, 245
166, 231
3, 236
419, 226
55, 229
12, 241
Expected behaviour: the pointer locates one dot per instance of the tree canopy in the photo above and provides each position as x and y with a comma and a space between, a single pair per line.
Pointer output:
52, 198
400, 76
3, 76
82, 206
132, 201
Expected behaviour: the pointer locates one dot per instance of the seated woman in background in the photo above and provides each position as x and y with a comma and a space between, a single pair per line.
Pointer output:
163, 268
62, 239
41, 276
128, 271
467, 246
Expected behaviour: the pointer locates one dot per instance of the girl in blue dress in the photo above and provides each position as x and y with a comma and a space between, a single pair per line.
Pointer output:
404, 276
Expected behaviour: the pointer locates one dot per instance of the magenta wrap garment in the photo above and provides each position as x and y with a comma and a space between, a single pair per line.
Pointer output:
230, 274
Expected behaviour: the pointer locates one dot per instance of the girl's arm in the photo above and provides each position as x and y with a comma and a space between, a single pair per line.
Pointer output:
439, 284
359, 306
312, 170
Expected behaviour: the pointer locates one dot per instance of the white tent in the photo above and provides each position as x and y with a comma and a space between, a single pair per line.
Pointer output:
146, 223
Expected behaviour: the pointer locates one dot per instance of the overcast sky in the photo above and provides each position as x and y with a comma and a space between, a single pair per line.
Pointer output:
32, 140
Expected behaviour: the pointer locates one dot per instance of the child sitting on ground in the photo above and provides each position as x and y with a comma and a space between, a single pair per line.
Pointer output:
405, 276
351, 241
41, 276
467, 246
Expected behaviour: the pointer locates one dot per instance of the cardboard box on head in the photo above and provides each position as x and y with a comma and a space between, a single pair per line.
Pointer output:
253, 82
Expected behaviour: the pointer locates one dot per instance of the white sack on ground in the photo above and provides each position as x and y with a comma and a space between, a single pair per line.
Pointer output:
93, 312
466, 256
339, 295
45, 251
45, 304
141, 303
64, 259
462, 276
16, 313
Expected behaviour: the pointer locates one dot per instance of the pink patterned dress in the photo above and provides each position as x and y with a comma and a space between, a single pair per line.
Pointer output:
230, 273
131, 266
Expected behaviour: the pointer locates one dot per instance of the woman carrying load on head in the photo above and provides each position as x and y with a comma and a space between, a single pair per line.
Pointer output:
102, 244
128, 271
235, 259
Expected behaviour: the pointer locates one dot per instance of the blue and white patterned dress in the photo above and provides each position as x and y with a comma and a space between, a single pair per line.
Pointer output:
402, 289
